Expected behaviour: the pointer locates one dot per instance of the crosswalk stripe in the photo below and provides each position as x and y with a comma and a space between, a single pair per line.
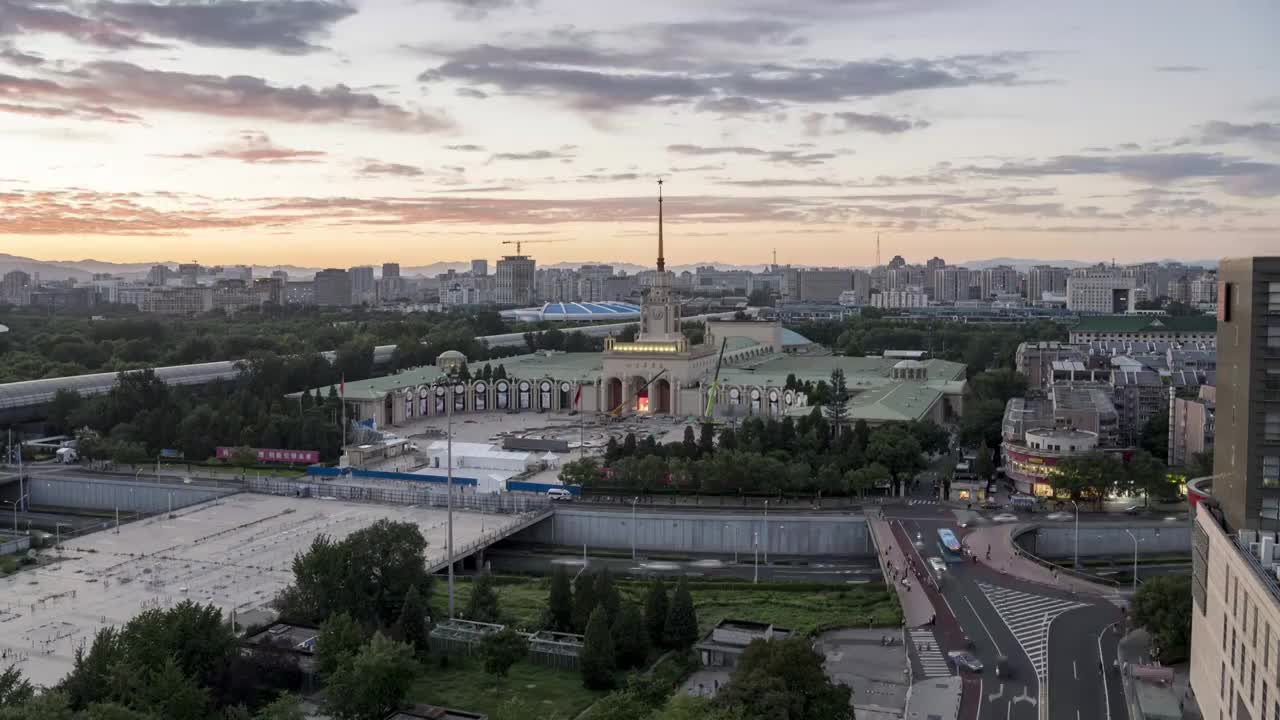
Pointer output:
929, 654
1028, 616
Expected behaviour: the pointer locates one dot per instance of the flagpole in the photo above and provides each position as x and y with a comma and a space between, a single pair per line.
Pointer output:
343, 399
449, 490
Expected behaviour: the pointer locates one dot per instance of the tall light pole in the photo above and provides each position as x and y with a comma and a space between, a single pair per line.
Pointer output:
449, 488
755, 544
634, 500
1077, 557
1134, 538
766, 532
15, 504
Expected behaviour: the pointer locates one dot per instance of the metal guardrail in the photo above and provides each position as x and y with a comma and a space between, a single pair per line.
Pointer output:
1023, 552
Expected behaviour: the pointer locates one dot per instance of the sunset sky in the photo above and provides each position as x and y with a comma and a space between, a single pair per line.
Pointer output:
318, 132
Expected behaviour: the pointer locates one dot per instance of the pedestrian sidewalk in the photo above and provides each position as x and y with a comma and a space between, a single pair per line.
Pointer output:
916, 607
1006, 559
1135, 649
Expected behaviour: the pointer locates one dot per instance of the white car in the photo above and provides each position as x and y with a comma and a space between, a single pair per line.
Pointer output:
938, 565
559, 494
1005, 517
1059, 516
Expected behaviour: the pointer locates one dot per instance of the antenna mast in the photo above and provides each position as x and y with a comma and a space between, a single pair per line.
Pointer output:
662, 264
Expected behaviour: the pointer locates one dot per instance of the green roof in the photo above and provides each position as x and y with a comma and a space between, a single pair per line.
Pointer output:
859, 372
1146, 323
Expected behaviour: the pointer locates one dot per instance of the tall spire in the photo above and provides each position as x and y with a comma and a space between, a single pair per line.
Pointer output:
662, 264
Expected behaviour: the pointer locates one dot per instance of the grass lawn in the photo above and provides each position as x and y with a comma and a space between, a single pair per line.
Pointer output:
540, 692
803, 608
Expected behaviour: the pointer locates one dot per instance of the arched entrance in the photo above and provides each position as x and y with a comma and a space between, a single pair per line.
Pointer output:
614, 394
639, 396
662, 396
389, 407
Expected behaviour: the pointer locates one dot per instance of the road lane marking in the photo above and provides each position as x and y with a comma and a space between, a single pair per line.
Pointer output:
985, 629
998, 694
1025, 697
1074, 673
1106, 690
932, 662
1028, 617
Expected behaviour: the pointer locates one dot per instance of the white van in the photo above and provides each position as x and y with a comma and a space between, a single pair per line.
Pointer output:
560, 494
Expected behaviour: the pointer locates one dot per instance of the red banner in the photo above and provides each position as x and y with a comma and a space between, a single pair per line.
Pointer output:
274, 455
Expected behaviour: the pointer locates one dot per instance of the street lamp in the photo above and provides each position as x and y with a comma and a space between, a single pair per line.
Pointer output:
15, 504
1077, 557
755, 544
634, 500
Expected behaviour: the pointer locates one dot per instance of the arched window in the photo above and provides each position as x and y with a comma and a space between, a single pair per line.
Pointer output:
481, 396
503, 390
773, 401
735, 396
440, 407
755, 400
525, 395
459, 397
408, 404
544, 395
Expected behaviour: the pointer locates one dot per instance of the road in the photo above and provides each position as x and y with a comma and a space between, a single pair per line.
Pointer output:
1053, 639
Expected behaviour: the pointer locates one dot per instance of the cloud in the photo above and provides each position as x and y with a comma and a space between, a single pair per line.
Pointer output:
479, 9
1263, 133
715, 66
781, 183
565, 153
1238, 176
1180, 69
472, 93
465, 148
14, 56
120, 84
256, 148
372, 167
284, 26
75, 112
788, 157
85, 212
815, 123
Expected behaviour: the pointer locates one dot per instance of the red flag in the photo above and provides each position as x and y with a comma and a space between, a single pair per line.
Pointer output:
577, 396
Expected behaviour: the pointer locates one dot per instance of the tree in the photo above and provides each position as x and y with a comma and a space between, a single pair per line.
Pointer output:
597, 659
866, 478
896, 450
340, 638
1089, 474
501, 650
630, 638
285, 707
983, 466
1154, 437
1163, 607
861, 435
560, 601
169, 693
243, 457
606, 594
655, 612
412, 625
1148, 475
1201, 464
584, 601
14, 688
483, 603
838, 403
706, 438
784, 679
583, 472
681, 629
690, 442
373, 682
760, 298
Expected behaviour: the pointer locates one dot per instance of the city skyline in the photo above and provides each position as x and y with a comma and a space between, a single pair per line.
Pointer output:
272, 132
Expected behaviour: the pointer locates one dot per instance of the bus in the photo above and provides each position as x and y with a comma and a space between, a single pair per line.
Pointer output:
949, 541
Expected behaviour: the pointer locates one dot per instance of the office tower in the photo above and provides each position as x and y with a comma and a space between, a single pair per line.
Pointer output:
951, 283
159, 274
591, 281
999, 280
364, 290
280, 275
1100, 291
190, 273
479, 268
824, 285
515, 284
1046, 279
333, 288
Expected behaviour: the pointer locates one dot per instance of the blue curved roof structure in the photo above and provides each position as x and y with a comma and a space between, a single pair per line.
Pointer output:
590, 311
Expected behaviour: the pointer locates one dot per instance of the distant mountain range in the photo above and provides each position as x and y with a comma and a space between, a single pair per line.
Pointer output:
83, 270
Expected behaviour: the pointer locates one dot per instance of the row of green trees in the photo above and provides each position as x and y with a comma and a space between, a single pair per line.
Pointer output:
769, 456
39, 345
1095, 475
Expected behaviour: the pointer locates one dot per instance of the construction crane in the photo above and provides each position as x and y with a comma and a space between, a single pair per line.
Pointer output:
520, 243
715, 381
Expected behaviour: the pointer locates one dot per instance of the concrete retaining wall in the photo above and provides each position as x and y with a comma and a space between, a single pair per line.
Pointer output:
718, 533
128, 495
1107, 540
11, 544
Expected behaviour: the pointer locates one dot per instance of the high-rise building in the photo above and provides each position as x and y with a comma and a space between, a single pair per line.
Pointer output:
1203, 290
951, 283
390, 270
1247, 435
270, 290
897, 262
1235, 616
159, 274
16, 287
1046, 279
389, 285
185, 300
333, 288
243, 273
862, 284
364, 289
1191, 425
515, 284
592, 280
190, 273
556, 285
479, 268
280, 275
999, 280
822, 285
1101, 290
931, 268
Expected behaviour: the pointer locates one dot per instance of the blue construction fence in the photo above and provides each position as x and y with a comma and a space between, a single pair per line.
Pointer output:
512, 485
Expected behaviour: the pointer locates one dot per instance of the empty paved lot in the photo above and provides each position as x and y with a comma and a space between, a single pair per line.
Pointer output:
235, 554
